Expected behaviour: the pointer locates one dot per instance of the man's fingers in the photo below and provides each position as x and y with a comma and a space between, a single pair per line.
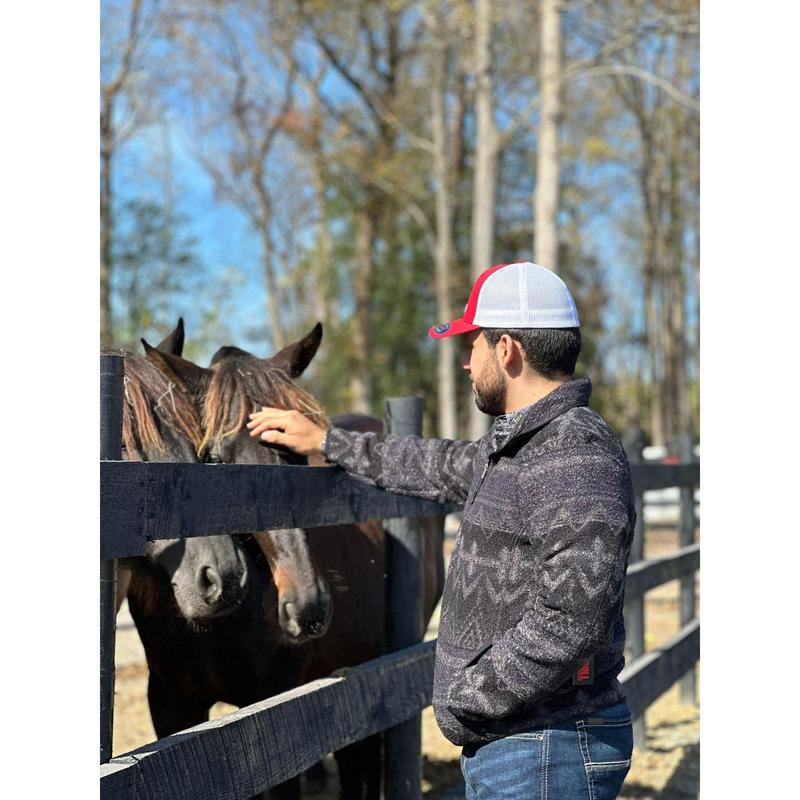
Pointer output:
268, 418
275, 437
264, 425
270, 413
288, 428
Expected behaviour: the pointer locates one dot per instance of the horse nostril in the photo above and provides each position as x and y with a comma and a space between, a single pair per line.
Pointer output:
289, 610
209, 583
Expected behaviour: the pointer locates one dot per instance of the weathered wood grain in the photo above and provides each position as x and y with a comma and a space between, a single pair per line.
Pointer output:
653, 673
241, 754
142, 500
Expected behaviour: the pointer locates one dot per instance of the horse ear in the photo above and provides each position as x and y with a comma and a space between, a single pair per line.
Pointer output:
187, 373
174, 342
294, 358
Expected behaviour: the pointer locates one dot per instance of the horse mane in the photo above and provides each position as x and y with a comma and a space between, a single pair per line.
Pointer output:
150, 398
241, 384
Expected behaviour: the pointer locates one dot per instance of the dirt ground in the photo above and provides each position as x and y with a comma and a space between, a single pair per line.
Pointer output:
669, 769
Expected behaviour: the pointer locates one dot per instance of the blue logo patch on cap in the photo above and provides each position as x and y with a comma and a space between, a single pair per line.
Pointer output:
442, 328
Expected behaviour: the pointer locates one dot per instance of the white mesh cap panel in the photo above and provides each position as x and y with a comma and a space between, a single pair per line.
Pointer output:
499, 300
525, 295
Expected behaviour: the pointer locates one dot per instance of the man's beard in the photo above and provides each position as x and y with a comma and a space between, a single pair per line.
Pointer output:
490, 395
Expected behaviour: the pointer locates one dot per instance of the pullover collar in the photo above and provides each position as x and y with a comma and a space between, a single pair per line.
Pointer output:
529, 419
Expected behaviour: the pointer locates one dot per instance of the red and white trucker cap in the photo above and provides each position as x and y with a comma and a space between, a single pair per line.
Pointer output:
521, 295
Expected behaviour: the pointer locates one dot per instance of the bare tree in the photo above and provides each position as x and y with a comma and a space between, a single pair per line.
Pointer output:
668, 143
365, 48
490, 139
243, 102
122, 42
484, 186
548, 158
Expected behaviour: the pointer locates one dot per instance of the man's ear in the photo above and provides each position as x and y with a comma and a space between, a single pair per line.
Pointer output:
507, 350
294, 358
183, 372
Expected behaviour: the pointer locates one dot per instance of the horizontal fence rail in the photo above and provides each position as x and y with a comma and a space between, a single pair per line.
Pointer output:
664, 476
655, 672
649, 573
264, 744
141, 501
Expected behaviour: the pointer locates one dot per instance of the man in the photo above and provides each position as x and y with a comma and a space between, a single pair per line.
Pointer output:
531, 634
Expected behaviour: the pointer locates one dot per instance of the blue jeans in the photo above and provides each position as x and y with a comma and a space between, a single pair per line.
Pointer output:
585, 758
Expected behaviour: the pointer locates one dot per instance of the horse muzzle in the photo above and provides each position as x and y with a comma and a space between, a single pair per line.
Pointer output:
301, 621
213, 585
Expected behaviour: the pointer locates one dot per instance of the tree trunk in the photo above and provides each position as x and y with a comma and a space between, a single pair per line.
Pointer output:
447, 421
273, 300
324, 289
360, 381
678, 161
106, 222
110, 91
548, 166
270, 284
485, 179
649, 196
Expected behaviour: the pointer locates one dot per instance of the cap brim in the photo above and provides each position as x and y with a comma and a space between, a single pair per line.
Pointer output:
453, 328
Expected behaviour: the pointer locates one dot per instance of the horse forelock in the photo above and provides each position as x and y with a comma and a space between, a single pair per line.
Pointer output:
151, 397
242, 384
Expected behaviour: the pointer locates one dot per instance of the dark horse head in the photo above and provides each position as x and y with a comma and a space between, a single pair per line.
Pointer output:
236, 384
208, 574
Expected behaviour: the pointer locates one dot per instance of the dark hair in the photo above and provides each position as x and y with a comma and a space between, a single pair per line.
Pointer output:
552, 352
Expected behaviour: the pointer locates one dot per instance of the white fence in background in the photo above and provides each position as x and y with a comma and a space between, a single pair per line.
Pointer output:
662, 506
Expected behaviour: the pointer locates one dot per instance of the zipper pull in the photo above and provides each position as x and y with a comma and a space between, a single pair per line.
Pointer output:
480, 481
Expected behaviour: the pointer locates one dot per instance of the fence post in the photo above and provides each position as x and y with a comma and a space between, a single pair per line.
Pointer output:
404, 616
112, 369
634, 606
687, 528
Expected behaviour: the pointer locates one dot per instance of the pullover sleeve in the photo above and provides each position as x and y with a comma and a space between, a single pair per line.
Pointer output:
581, 579
434, 469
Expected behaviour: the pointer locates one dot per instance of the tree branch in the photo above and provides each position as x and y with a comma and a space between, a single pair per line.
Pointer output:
132, 41
637, 72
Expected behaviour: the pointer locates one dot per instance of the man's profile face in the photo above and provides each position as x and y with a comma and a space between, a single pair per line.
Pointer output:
488, 382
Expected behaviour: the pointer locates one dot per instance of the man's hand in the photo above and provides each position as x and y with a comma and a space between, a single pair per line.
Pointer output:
288, 428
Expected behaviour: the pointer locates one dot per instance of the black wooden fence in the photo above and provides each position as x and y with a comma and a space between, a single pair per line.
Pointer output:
650, 675
246, 752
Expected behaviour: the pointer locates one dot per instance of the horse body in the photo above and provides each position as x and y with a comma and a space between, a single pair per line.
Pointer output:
251, 653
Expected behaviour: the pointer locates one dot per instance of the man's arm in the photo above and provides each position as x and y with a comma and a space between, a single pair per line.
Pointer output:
434, 469
579, 598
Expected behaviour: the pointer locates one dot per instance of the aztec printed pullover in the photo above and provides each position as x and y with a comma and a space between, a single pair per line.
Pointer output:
536, 579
